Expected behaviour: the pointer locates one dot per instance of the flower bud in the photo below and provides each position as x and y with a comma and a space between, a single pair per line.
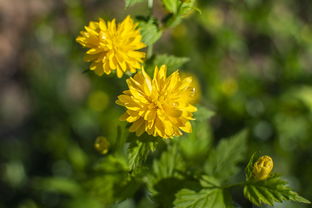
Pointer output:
262, 168
101, 145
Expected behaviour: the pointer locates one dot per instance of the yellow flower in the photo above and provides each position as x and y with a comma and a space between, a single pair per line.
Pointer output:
262, 168
112, 47
158, 106
101, 145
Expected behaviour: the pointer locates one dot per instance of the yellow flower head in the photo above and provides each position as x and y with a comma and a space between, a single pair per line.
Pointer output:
158, 106
262, 168
101, 145
112, 47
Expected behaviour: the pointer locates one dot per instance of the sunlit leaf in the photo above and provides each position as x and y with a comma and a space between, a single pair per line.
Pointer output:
271, 190
171, 5
173, 63
206, 198
149, 31
222, 162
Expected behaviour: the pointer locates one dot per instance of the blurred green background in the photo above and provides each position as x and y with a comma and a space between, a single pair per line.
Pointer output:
252, 59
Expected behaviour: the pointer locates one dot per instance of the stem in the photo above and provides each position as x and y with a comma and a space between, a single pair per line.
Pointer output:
150, 6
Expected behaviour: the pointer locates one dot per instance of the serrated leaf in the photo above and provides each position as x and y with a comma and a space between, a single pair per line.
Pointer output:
187, 7
149, 31
206, 198
138, 152
271, 190
169, 164
222, 162
249, 167
209, 182
183, 10
171, 5
173, 63
129, 3
168, 177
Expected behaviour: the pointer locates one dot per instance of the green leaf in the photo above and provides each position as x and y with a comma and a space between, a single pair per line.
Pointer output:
187, 7
168, 177
249, 167
222, 162
183, 10
209, 182
169, 164
206, 198
171, 5
173, 63
129, 3
139, 150
149, 31
271, 190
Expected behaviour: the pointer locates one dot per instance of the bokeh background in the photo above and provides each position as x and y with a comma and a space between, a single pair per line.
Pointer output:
253, 60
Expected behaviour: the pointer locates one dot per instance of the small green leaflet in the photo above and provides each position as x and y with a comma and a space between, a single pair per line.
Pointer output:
271, 190
166, 178
173, 63
149, 31
171, 5
178, 10
129, 3
168, 166
139, 150
222, 162
170, 162
248, 169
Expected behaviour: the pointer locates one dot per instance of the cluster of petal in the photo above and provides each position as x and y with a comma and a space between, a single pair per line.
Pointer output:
159, 106
112, 46
262, 168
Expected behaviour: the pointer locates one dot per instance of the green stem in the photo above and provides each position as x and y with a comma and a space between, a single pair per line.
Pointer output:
150, 6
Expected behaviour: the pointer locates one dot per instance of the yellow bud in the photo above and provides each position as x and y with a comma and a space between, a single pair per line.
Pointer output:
101, 145
262, 168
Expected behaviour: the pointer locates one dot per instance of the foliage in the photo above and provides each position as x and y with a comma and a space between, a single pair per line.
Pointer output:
252, 62
206, 198
149, 31
172, 62
222, 162
272, 190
